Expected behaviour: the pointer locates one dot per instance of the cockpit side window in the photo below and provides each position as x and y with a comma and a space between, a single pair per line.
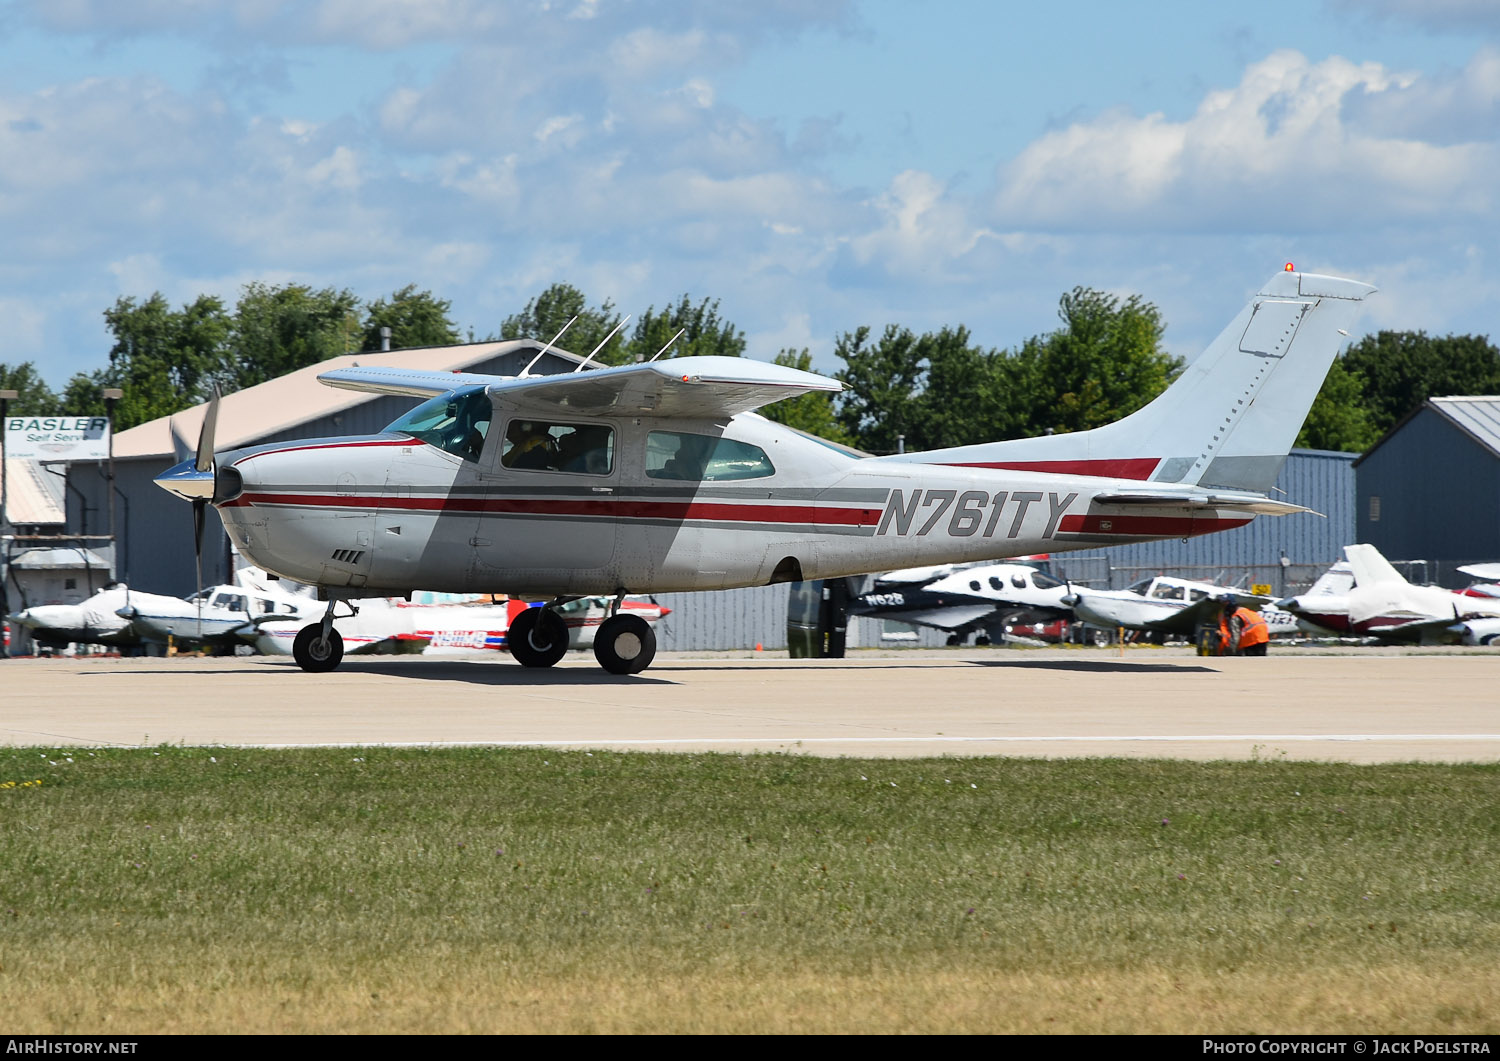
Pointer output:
586, 449
456, 422
703, 458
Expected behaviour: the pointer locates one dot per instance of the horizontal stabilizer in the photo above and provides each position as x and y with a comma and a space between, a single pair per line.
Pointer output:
1261, 506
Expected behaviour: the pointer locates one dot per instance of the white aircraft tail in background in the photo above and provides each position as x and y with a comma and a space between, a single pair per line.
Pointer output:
1383, 604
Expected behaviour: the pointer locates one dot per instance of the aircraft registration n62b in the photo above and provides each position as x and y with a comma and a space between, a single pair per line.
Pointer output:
659, 476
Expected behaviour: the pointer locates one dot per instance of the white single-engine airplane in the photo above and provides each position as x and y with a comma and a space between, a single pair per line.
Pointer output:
1169, 606
1382, 604
654, 477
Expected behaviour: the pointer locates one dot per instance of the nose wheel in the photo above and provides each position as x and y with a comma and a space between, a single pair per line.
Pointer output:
538, 637
625, 644
316, 651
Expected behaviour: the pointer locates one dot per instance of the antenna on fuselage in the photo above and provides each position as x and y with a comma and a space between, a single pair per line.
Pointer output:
527, 370
607, 338
669, 343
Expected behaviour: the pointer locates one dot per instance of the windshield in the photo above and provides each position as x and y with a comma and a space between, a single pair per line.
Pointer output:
456, 422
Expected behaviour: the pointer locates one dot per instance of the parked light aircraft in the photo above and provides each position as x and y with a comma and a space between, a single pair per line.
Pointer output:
985, 599
90, 622
1384, 605
656, 477
221, 615
448, 629
1168, 606
224, 616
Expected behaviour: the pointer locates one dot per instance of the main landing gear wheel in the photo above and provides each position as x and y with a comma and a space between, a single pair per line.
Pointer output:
625, 644
313, 653
538, 637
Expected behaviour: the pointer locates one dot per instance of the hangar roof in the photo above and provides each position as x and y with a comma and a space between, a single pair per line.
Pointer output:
286, 401
33, 495
1477, 416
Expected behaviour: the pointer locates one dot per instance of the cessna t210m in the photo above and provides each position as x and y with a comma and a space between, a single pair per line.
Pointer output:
659, 477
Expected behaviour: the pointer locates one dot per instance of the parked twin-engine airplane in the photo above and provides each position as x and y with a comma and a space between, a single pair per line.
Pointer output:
655, 477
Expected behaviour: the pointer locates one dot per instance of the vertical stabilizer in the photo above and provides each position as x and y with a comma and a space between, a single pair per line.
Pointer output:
1371, 569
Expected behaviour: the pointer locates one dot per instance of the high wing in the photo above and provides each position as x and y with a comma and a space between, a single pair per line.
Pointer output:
691, 387
411, 382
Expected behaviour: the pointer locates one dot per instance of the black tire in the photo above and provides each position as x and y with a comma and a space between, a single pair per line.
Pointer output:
625, 644
538, 637
314, 654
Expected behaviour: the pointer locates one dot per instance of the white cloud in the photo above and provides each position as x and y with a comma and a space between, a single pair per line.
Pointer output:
1275, 152
922, 228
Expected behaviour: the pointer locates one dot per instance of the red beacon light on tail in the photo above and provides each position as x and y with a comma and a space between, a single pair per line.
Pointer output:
1289, 267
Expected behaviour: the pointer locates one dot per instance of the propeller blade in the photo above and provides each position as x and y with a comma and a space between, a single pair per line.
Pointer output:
206, 435
181, 451
199, 504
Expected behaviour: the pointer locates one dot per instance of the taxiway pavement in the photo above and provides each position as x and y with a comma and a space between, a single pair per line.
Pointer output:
1358, 706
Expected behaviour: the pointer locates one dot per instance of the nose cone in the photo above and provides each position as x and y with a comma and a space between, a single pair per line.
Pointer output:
187, 482
45, 616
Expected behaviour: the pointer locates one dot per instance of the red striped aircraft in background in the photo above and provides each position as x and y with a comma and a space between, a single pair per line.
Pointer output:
659, 477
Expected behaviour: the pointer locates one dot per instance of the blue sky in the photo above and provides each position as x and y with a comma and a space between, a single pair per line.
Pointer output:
814, 165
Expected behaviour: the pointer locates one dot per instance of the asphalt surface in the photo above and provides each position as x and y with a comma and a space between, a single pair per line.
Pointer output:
1360, 705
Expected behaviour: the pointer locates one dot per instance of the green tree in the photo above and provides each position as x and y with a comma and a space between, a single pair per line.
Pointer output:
1104, 363
881, 378
812, 412
415, 318
962, 401
163, 359
703, 332
1398, 371
545, 315
33, 396
1339, 419
280, 329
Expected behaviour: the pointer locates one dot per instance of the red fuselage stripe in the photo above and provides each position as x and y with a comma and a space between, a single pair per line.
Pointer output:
673, 510
1147, 526
1123, 468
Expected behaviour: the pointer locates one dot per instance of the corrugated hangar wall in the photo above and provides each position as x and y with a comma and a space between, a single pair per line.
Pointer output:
1438, 491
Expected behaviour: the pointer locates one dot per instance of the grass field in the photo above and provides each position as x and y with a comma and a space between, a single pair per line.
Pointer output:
385, 890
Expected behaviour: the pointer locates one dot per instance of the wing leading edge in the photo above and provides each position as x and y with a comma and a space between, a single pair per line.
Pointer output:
705, 387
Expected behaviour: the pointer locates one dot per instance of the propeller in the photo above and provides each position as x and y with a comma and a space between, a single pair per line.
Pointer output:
204, 463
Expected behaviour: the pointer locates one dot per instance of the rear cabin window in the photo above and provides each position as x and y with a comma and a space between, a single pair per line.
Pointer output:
540, 445
703, 458
456, 422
